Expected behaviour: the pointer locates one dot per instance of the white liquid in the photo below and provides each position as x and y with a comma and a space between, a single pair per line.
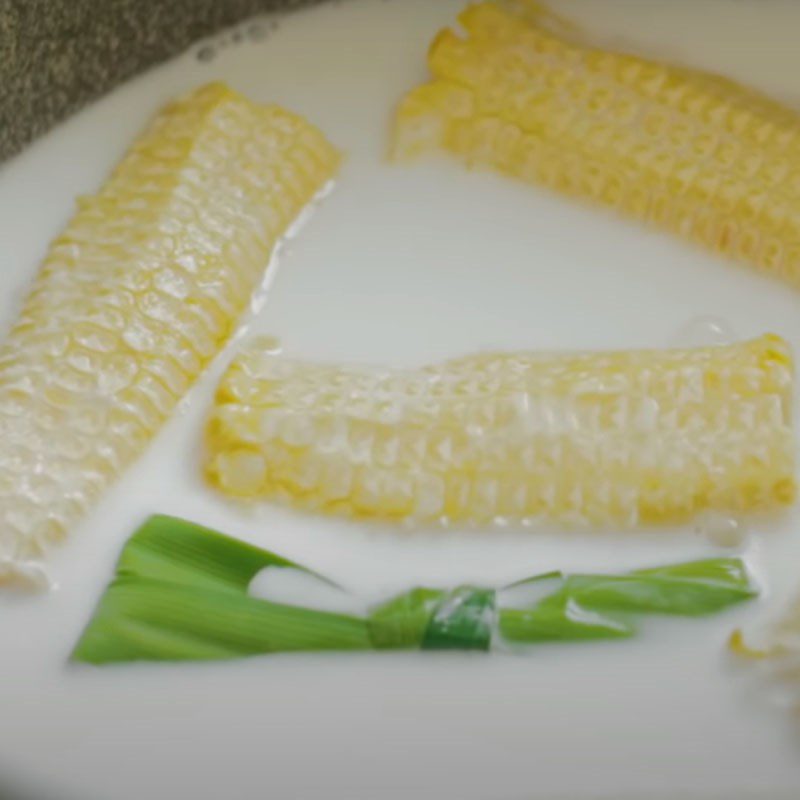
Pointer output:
527, 594
704, 331
295, 587
404, 266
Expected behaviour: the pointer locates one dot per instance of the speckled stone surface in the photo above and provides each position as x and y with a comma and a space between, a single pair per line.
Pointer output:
58, 55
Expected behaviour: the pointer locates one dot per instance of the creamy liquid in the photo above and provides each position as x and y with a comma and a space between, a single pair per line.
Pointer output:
295, 587
405, 265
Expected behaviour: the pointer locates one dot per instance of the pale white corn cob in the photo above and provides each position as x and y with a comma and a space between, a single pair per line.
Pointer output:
143, 287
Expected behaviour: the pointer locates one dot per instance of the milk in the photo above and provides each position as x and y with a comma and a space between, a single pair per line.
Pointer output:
405, 265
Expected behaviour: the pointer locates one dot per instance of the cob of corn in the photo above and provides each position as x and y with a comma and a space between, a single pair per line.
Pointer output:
779, 639
774, 646
139, 292
526, 93
603, 439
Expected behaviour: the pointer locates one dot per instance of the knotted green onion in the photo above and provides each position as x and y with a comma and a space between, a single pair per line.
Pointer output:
180, 592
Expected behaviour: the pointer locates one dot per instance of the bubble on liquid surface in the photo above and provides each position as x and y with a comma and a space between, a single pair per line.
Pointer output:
721, 529
704, 331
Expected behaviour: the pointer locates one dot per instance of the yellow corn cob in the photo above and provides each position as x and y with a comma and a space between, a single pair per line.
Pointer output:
133, 299
601, 439
697, 154
775, 645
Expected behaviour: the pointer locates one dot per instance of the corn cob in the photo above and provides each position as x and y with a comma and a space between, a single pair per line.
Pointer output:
135, 297
775, 646
697, 154
606, 439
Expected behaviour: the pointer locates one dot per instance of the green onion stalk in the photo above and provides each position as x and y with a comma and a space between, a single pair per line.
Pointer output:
180, 592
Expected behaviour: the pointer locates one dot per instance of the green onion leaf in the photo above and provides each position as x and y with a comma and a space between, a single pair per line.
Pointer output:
180, 593
560, 617
579, 608
691, 589
400, 623
177, 551
555, 574
723, 571
462, 620
139, 618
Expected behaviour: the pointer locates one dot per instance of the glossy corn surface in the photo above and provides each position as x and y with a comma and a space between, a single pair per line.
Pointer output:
142, 288
526, 93
599, 439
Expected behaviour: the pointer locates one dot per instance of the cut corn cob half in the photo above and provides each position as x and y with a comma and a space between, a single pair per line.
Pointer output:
139, 292
603, 439
774, 645
528, 94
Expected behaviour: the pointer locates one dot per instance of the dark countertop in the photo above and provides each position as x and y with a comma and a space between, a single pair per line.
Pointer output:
58, 55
